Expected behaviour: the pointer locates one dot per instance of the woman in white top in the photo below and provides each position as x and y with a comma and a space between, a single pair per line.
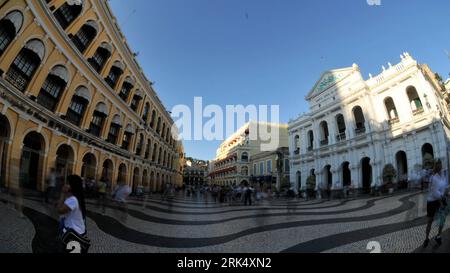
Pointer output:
72, 206
435, 200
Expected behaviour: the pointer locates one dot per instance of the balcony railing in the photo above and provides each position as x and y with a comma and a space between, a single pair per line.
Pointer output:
360, 130
310, 148
418, 111
324, 142
394, 121
297, 151
341, 137
14, 77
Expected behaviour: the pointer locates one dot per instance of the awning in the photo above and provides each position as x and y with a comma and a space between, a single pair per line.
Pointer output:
83, 92
37, 47
130, 129
138, 93
61, 72
129, 80
119, 65
16, 17
102, 108
92, 24
75, 2
106, 46
117, 120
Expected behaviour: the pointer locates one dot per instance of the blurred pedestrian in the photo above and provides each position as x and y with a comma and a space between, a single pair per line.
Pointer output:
436, 200
72, 208
51, 185
248, 190
101, 193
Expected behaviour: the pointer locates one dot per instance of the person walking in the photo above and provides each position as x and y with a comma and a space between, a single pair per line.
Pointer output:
248, 195
436, 200
215, 193
72, 208
51, 186
166, 193
101, 192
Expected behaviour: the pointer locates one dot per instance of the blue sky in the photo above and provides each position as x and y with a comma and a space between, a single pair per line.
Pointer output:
272, 52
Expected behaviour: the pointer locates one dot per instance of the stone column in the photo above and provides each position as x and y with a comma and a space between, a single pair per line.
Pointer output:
349, 123
355, 175
337, 183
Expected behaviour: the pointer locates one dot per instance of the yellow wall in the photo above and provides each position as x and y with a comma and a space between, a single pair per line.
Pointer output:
39, 23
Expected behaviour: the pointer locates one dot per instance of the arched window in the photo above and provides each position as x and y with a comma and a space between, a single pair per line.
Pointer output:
101, 55
163, 131
77, 106
68, 12
85, 36
310, 140
53, 86
391, 109
244, 170
135, 100
167, 134
25, 64
158, 125
414, 100
145, 113
139, 145
152, 122
126, 89
324, 133
244, 157
114, 74
98, 119
147, 149
159, 155
10, 25
122, 174
340, 127
127, 136
359, 120
297, 144
114, 130
154, 152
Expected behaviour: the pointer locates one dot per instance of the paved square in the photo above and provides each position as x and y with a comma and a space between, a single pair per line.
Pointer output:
189, 224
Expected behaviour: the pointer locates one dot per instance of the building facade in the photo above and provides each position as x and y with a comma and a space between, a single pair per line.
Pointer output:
232, 165
74, 98
355, 127
270, 168
195, 171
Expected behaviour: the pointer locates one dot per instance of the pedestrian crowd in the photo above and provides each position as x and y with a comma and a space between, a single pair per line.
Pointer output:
71, 204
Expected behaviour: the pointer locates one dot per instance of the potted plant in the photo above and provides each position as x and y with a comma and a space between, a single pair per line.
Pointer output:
389, 173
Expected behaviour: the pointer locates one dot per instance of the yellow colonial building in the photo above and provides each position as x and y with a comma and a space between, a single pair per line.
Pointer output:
237, 154
74, 98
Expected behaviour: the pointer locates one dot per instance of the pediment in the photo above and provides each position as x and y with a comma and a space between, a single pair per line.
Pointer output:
329, 79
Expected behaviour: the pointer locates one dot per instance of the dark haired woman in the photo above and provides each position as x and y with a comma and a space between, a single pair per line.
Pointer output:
436, 200
72, 206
